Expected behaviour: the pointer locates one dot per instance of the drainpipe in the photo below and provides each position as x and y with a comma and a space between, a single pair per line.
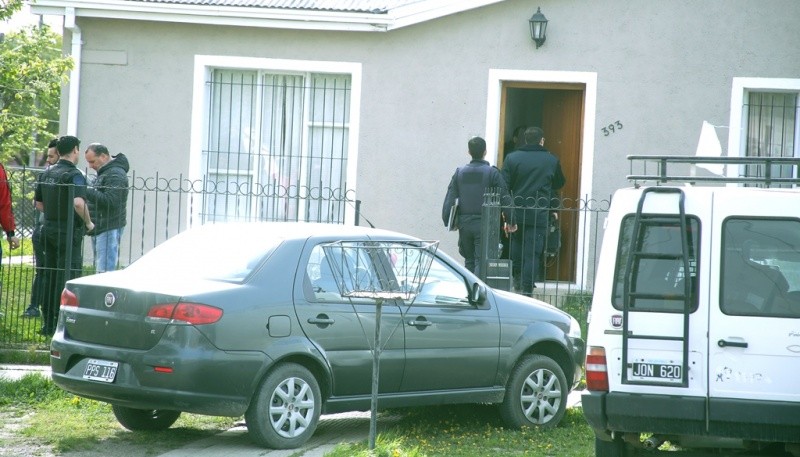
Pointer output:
75, 74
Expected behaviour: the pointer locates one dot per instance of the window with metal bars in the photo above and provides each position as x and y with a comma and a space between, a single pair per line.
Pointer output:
276, 146
772, 127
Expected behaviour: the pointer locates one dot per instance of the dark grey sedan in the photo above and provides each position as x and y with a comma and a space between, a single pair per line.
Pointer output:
247, 319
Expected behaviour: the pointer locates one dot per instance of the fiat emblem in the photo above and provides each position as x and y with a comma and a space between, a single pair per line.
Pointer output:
616, 320
109, 300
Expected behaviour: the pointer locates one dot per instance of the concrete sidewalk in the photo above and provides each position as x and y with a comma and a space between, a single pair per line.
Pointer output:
332, 430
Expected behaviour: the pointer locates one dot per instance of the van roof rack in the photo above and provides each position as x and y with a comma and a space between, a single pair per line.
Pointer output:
751, 170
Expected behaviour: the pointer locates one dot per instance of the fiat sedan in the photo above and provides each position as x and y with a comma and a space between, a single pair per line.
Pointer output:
277, 322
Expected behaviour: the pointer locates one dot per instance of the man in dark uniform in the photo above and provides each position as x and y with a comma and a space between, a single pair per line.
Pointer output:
60, 195
533, 175
468, 185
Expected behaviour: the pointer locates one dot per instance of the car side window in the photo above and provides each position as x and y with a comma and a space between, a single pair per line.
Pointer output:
327, 279
760, 267
442, 286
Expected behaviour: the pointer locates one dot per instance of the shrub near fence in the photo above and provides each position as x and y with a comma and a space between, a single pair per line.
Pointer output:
160, 207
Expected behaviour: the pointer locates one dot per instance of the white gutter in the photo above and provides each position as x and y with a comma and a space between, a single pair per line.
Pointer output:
75, 75
251, 16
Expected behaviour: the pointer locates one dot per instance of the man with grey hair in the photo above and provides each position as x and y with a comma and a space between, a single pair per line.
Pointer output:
108, 198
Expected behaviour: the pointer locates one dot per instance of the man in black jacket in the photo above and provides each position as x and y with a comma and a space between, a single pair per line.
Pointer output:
533, 175
468, 184
107, 198
61, 195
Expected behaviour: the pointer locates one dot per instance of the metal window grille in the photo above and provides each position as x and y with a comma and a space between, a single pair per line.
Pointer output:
276, 146
772, 130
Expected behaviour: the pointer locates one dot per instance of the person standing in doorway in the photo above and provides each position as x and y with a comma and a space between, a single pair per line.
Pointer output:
38, 287
533, 175
107, 198
469, 184
61, 195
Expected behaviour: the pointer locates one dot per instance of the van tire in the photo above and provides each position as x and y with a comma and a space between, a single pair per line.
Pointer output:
613, 448
536, 393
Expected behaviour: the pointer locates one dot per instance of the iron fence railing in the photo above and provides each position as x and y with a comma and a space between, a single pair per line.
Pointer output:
157, 208
160, 207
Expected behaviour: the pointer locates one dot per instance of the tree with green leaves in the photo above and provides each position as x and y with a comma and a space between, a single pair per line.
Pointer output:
8, 8
32, 73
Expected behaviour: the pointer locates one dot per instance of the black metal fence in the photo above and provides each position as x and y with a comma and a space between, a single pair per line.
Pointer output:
160, 207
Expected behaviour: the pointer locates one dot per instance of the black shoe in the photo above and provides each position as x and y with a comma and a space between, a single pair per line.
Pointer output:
31, 312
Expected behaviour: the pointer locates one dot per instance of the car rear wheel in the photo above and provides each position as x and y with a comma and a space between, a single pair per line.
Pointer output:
145, 419
285, 409
536, 393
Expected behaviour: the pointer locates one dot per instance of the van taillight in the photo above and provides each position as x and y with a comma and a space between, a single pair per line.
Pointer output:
68, 298
596, 369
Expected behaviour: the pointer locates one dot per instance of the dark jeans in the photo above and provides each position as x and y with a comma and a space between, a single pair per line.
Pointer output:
38, 287
469, 242
58, 269
527, 247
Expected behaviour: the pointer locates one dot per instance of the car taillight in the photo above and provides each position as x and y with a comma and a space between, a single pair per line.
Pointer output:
68, 298
190, 313
596, 369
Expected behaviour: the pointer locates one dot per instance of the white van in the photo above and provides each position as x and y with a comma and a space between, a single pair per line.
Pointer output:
694, 334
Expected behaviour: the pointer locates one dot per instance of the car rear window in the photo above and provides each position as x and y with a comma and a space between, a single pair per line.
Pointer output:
210, 252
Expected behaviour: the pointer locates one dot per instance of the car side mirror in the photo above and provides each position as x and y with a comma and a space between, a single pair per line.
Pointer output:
478, 294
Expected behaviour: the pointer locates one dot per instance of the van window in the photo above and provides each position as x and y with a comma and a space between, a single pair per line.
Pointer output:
760, 267
657, 276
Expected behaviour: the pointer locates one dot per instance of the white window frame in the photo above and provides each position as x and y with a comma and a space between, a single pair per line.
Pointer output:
740, 89
205, 64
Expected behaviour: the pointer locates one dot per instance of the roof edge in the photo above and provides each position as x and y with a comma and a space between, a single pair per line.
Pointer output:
280, 18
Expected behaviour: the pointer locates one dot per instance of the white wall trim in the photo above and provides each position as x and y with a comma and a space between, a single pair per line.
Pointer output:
496, 78
204, 64
739, 89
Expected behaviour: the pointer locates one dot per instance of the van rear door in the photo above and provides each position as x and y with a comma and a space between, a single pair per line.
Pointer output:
656, 291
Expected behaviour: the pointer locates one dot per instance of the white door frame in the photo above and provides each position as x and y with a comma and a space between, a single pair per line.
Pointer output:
589, 80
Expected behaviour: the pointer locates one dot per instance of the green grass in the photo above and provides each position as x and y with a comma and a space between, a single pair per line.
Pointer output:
474, 430
70, 423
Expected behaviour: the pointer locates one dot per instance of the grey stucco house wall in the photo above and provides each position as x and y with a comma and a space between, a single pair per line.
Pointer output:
424, 76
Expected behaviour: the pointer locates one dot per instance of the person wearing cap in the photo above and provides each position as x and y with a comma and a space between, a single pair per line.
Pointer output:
61, 195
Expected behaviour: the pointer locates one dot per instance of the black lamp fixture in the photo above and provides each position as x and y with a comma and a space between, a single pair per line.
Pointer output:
538, 27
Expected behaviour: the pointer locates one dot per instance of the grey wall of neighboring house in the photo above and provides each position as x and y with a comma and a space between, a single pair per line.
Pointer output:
662, 69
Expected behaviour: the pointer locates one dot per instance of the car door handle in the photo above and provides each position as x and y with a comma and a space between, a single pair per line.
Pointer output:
420, 323
734, 344
320, 320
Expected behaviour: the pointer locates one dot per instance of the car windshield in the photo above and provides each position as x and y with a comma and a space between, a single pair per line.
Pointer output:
218, 252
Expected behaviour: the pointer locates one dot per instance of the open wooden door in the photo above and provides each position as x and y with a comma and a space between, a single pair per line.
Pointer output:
558, 109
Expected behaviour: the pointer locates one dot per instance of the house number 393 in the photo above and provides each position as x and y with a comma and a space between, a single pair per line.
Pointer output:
611, 128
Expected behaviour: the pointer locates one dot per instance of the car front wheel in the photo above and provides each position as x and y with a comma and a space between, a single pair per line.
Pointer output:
536, 393
285, 409
145, 419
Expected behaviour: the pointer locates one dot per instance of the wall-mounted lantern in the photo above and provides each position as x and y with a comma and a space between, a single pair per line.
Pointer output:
538, 27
